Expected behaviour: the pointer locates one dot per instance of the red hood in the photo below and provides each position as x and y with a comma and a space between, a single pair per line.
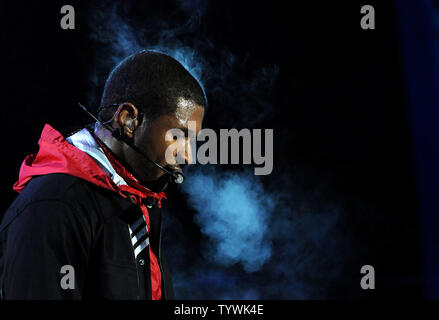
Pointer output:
57, 155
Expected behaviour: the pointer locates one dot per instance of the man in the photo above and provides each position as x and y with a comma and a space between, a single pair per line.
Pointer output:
87, 222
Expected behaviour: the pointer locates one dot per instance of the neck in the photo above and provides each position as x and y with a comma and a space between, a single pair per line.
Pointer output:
111, 142
118, 148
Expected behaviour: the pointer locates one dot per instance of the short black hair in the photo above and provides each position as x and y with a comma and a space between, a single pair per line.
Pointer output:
152, 81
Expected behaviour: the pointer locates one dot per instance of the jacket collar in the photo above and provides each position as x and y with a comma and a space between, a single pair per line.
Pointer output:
83, 140
57, 155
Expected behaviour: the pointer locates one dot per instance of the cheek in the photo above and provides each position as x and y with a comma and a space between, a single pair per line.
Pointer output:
169, 152
160, 144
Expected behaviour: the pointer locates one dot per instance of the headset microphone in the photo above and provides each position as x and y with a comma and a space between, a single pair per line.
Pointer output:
174, 176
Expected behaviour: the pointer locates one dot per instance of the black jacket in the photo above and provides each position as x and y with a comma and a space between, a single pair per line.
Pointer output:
62, 220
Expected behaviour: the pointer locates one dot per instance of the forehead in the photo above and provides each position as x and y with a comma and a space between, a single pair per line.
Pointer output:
186, 110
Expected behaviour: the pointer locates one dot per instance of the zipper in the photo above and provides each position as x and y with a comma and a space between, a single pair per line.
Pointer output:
163, 277
138, 280
137, 270
160, 257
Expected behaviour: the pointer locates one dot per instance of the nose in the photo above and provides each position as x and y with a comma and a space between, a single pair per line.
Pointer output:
184, 153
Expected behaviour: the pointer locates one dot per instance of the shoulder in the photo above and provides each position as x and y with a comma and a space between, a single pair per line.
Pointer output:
54, 188
83, 201
62, 198
47, 197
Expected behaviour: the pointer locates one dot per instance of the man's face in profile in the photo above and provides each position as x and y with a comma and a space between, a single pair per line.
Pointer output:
151, 138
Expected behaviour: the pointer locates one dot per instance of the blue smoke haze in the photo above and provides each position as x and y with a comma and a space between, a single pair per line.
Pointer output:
260, 241
233, 211
262, 238
222, 75
119, 39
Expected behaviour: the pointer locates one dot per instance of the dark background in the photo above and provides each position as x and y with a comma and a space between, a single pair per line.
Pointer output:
336, 104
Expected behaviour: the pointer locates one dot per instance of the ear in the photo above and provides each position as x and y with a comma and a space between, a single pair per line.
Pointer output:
126, 119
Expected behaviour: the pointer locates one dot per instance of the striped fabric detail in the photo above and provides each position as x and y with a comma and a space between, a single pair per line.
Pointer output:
139, 235
142, 246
